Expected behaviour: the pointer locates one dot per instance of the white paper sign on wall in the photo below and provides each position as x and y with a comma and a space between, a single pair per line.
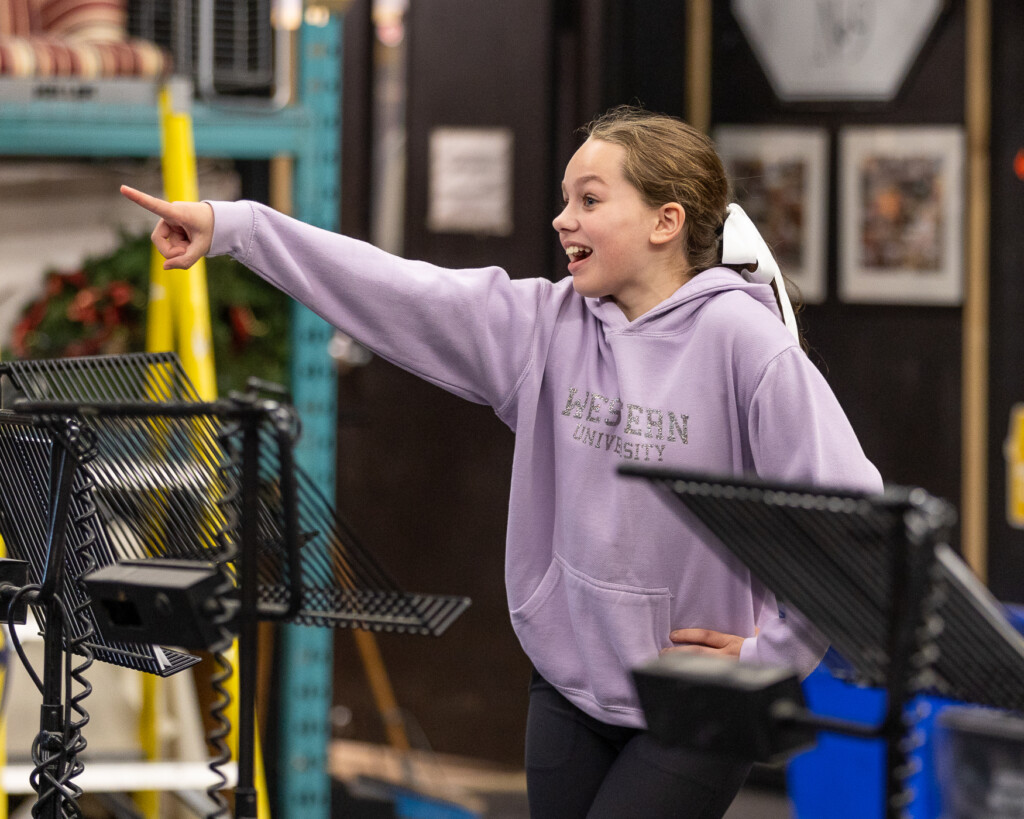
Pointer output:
470, 183
836, 49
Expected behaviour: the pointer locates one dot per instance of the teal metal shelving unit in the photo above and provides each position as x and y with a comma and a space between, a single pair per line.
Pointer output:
306, 653
307, 131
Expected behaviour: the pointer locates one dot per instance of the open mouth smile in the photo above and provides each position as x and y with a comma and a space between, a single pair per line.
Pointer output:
577, 253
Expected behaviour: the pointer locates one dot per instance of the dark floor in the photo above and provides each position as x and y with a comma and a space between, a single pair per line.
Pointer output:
753, 802
369, 778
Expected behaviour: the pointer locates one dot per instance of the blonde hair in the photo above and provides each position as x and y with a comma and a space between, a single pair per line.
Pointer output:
668, 160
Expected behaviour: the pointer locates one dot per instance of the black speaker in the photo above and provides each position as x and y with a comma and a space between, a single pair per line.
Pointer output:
721, 706
168, 602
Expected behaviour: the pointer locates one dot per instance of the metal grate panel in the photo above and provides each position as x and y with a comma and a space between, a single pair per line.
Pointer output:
167, 482
25, 452
830, 554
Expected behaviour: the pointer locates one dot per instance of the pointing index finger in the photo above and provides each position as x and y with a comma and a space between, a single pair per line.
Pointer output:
150, 203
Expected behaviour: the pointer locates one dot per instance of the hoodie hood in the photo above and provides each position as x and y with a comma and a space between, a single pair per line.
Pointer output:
686, 301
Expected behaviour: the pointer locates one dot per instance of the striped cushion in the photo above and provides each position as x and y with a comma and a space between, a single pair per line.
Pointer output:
74, 38
17, 57
18, 18
52, 57
150, 59
78, 20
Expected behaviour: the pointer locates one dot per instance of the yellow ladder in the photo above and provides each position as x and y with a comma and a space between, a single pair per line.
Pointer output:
178, 319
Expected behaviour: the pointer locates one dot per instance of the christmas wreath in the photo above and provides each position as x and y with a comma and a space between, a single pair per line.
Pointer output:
100, 309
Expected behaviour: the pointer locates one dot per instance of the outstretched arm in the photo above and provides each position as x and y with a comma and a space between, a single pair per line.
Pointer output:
185, 229
471, 332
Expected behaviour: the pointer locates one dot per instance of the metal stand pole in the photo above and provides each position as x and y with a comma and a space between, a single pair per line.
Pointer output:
248, 636
910, 570
49, 751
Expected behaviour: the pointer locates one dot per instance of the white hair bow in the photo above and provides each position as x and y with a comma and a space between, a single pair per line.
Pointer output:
743, 246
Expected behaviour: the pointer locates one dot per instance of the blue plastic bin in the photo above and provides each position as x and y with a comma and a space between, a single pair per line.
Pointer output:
412, 805
844, 777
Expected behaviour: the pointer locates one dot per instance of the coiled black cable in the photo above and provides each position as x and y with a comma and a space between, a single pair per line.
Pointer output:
55, 748
220, 728
53, 765
86, 526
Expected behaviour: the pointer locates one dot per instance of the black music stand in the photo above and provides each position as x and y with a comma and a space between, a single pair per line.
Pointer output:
876, 575
194, 508
50, 525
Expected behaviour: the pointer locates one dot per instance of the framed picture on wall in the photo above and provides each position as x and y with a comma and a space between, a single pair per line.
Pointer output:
901, 205
779, 177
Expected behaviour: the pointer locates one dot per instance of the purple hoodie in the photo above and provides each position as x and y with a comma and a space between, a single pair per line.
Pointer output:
599, 569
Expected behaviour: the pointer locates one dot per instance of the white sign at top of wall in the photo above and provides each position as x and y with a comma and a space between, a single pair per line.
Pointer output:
836, 49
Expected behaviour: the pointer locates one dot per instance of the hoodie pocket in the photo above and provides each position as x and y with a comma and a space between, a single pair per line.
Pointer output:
585, 635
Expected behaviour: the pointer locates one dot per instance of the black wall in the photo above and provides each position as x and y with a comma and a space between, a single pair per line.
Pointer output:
424, 476
895, 369
1006, 544
484, 65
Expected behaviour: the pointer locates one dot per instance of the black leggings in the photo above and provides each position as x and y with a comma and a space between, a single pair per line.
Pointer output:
580, 768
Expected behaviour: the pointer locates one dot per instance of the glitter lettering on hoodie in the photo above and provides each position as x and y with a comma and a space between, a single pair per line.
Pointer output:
596, 411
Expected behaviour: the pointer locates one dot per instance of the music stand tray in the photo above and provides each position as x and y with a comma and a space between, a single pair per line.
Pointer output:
830, 553
135, 510
877, 576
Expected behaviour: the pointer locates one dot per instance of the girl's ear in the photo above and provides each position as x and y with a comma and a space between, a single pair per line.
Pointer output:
671, 218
